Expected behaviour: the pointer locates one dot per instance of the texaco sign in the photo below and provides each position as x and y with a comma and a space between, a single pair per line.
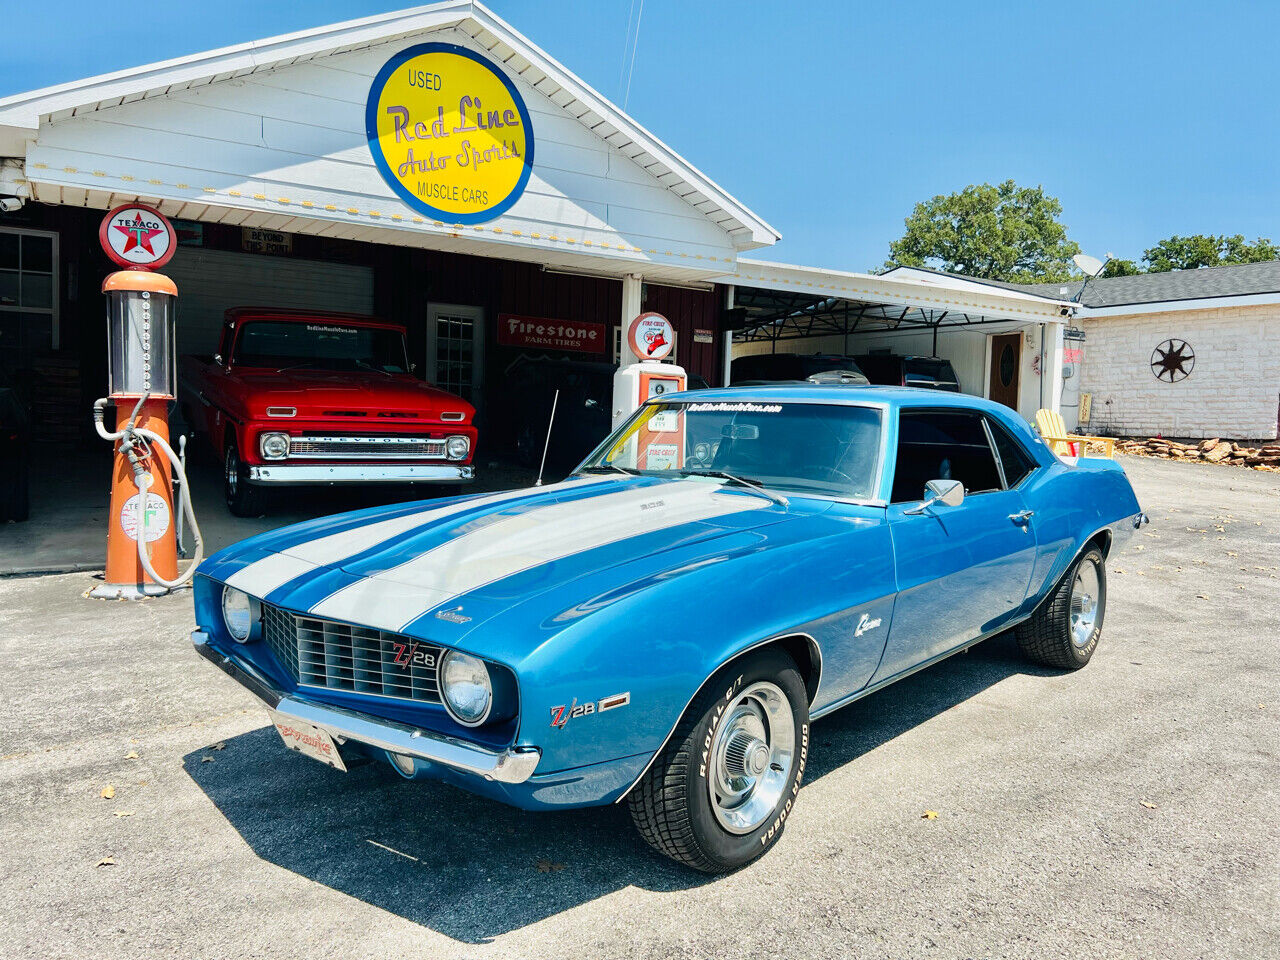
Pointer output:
138, 236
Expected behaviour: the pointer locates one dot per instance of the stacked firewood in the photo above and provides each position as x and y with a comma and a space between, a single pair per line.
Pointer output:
1265, 457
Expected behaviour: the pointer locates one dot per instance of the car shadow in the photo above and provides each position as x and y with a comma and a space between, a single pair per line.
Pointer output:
474, 869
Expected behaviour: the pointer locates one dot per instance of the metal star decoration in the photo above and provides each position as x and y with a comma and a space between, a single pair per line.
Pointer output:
1173, 360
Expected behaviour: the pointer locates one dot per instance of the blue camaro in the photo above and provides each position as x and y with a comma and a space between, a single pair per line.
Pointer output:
663, 625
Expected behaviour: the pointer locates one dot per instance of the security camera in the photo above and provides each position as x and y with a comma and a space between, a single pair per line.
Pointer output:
1064, 311
11, 204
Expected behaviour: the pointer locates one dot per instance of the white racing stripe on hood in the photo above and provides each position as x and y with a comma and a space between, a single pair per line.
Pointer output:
394, 598
262, 576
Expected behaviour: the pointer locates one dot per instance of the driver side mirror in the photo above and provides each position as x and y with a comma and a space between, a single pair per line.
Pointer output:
949, 493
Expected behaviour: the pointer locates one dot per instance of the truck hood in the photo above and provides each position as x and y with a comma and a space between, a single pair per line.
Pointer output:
324, 394
440, 572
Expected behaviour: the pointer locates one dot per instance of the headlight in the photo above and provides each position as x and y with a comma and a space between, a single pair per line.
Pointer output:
237, 613
274, 446
457, 448
466, 688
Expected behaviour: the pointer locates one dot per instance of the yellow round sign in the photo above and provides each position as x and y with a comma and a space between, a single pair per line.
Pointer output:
449, 132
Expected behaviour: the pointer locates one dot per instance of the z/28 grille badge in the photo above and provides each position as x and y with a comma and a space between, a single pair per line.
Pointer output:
562, 715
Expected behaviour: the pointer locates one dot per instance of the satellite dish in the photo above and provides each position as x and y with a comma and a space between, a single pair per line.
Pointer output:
1089, 266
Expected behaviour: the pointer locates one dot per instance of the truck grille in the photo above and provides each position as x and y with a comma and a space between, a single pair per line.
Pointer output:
366, 448
338, 656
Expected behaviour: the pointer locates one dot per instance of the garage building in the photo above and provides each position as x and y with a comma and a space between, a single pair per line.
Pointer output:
271, 159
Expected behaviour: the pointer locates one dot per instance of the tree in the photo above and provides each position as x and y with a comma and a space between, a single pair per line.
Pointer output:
1121, 268
1003, 232
1200, 250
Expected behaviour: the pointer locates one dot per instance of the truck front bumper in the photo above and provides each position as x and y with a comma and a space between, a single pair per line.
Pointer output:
512, 765
286, 474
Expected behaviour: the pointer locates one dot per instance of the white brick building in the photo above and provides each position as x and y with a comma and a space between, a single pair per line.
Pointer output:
1224, 383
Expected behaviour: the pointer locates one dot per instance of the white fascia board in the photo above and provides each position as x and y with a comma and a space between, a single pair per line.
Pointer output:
761, 233
26, 109
1173, 306
976, 298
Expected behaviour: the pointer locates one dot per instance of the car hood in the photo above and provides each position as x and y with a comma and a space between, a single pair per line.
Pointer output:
328, 393
439, 572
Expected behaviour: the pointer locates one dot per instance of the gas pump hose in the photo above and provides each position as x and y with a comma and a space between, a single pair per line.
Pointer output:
132, 437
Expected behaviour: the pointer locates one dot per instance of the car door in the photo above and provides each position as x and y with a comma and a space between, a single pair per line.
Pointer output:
962, 571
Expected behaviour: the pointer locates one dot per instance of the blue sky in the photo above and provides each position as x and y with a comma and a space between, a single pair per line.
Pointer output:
831, 119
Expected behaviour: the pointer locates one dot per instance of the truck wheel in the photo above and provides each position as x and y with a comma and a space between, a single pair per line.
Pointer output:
1064, 632
718, 794
243, 498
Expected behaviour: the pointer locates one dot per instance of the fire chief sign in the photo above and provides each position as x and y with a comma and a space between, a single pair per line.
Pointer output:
540, 333
138, 236
449, 133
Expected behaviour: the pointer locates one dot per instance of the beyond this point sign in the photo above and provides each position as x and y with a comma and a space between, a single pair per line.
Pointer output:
449, 133
651, 336
138, 236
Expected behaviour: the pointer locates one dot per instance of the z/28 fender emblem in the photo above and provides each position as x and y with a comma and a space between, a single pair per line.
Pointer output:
562, 715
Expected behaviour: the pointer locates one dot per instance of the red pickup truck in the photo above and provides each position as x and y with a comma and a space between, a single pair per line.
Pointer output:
295, 397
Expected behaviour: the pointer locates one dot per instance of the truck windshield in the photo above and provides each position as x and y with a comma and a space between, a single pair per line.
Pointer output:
816, 448
324, 345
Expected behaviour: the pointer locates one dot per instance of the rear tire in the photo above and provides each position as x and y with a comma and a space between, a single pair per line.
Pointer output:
243, 498
1065, 631
719, 793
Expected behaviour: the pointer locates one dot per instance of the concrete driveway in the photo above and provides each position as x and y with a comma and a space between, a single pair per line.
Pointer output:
1128, 810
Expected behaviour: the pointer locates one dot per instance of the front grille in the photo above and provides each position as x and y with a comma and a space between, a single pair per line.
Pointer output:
366, 448
338, 656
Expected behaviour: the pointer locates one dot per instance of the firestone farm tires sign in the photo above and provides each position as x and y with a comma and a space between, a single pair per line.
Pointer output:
449, 133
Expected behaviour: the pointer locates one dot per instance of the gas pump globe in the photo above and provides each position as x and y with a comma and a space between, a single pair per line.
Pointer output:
140, 313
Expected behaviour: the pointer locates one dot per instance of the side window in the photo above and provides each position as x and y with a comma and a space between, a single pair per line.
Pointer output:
942, 445
1015, 460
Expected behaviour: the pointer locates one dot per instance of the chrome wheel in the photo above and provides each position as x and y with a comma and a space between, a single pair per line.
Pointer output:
751, 757
1086, 599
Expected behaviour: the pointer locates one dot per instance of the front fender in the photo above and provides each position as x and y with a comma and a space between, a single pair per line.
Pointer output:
655, 643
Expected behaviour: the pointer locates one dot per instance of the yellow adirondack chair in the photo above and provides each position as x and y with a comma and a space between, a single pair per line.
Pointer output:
1054, 432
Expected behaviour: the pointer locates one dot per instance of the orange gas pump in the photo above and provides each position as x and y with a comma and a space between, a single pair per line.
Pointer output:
142, 553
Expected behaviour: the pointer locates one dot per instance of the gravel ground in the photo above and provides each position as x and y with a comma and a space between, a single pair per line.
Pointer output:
1128, 810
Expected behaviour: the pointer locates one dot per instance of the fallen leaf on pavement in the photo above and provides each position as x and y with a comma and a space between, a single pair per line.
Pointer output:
929, 815
546, 866
131, 755
106, 862
108, 792
206, 759
1149, 805
219, 746
122, 813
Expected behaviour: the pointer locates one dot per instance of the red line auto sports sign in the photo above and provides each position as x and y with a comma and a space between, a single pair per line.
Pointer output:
539, 332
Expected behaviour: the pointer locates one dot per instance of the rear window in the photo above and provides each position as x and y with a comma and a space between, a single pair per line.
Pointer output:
921, 370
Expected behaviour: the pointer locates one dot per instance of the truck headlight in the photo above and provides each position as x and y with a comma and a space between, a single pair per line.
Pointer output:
457, 448
274, 446
237, 613
465, 688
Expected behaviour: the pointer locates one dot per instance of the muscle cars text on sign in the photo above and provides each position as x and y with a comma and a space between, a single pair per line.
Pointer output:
892, 526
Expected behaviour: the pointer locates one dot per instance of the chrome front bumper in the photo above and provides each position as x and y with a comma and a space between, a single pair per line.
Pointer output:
513, 765
303, 473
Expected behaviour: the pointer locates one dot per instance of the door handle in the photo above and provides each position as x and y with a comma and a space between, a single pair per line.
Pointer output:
1023, 517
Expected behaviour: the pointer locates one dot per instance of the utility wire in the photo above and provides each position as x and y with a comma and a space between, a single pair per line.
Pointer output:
634, 43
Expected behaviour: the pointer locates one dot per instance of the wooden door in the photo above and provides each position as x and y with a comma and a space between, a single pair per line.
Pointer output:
1006, 364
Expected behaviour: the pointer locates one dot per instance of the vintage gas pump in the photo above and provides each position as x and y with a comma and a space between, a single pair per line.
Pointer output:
650, 338
142, 556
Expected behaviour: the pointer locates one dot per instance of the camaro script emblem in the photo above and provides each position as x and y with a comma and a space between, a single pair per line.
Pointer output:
865, 624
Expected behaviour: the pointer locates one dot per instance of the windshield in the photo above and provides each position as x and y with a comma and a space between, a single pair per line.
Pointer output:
323, 345
815, 448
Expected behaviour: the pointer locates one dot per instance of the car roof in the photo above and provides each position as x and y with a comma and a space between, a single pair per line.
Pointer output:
847, 394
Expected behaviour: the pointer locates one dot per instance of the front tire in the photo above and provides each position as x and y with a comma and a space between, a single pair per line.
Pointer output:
719, 793
1065, 631
243, 498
